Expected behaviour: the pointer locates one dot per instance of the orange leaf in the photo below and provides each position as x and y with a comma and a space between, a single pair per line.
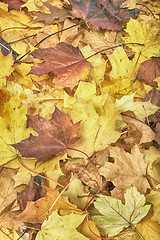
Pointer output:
66, 61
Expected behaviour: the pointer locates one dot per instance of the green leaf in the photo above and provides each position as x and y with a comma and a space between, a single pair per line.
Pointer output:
117, 216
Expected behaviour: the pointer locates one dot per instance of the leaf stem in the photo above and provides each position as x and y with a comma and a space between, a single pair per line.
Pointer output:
134, 229
18, 157
5, 234
10, 79
75, 176
119, 45
91, 229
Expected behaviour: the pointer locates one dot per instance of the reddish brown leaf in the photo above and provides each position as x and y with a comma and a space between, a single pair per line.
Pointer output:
33, 191
66, 61
55, 136
102, 14
150, 70
56, 13
154, 96
157, 135
13, 4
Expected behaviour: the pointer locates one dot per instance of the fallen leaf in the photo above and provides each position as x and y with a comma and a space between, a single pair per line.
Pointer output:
75, 189
101, 14
13, 4
143, 33
8, 196
126, 103
55, 135
138, 129
116, 216
150, 70
36, 212
61, 227
56, 13
154, 97
32, 192
6, 67
66, 61
148, 228
128, 169
154, 198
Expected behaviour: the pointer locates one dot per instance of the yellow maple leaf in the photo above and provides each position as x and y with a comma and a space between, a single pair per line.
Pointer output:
123, 73
98, 64
116, 216
98, 128
148, 228
154, 198
61, 227
6, 67
126, 103
13, 122
143, 33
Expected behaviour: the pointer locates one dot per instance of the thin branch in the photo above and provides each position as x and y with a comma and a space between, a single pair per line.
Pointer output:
50, 36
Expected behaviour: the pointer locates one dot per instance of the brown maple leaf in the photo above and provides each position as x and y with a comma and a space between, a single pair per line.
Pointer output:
56, 13
33, 191
154, 96
36, 212
13, 4
127, 169
66, 61
150, 70
55, 135
102, 14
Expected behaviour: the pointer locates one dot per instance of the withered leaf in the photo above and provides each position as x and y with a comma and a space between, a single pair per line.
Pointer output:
56, 13
66, 61
150, 70
13, 4
102, 14
55, 135
33, 191
154, 96
128, 169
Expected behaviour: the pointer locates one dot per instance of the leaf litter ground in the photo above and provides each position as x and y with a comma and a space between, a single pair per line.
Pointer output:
86, 133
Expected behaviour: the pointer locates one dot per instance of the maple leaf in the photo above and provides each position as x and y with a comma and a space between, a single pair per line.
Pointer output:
32, 192
148, 228
116, 216
13, 4
54, 136
154, 96
128, 169
36, 212
59, 227
150, 70
101, 14
56, 13
66, 61
154, 198
6, 67
8, 195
